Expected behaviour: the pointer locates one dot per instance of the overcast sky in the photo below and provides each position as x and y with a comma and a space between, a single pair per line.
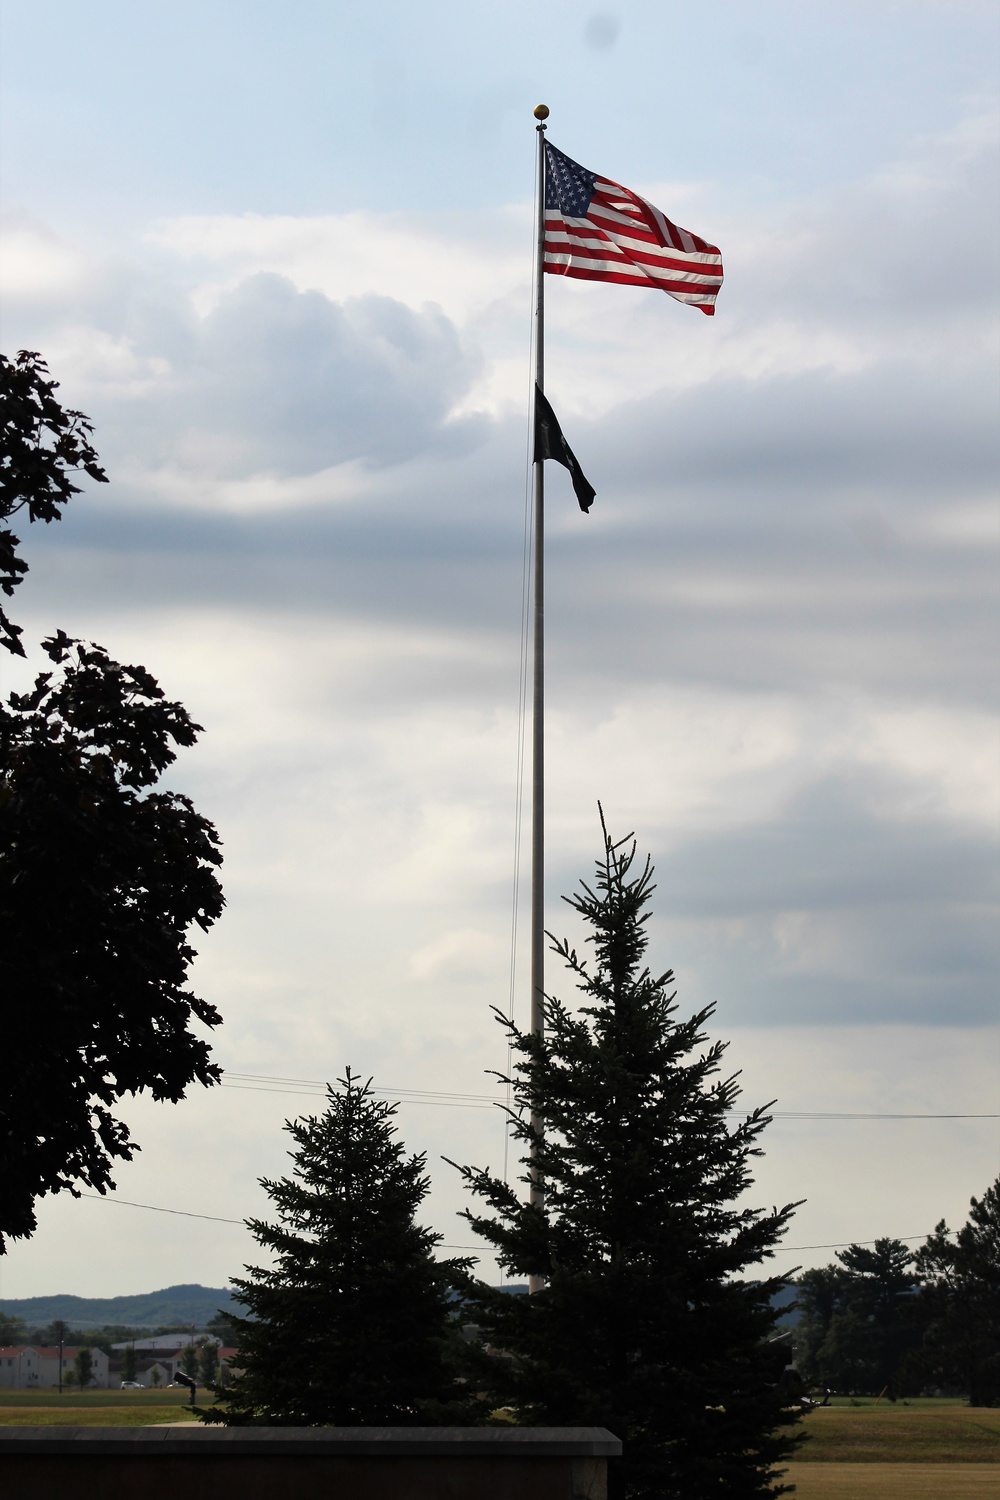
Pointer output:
281, 254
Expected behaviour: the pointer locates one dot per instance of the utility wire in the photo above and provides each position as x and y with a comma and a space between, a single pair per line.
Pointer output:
156, 1209
904, 1239
187, 1214
313, 1088
215, 1219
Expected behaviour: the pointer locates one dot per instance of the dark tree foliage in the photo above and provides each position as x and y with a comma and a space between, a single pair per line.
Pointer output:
12, 1330
40, 446
645, 1324
817, 1299
84, 1364
961, 1294
208, 1362
860, 1321
820, 1300
100, 879
222, 1326
353, 1325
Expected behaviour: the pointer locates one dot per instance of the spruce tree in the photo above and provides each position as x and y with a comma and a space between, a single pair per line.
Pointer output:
353, 1324
645, 1322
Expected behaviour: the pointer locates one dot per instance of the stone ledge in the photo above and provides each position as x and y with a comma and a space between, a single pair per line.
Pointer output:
347, 1442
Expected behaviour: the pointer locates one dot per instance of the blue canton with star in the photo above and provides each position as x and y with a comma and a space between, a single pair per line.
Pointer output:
568, 186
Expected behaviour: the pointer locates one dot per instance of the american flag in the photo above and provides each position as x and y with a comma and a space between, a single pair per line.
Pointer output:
599, 231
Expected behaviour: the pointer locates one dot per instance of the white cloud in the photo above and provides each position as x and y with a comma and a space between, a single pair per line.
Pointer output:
456, 264
461, 955
950, 759
35, 264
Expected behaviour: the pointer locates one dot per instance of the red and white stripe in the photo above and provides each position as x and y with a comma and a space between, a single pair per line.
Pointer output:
625, 239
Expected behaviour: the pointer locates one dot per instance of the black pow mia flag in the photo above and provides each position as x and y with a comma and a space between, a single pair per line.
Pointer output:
550, 443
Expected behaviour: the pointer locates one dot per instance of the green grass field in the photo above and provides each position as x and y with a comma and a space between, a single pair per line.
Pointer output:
90, 1416
912, 1403
926, 1450
891, 1481
931, 1432
92, 1408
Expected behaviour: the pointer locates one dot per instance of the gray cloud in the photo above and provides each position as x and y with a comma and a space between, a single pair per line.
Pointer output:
298, 382
830, 850
271, 379
914, 245
783, 533
290, 382
834, 910
910, 432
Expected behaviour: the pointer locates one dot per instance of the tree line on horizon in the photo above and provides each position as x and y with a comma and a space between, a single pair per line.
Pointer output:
199, 1354
881, 1319
884, 1319
17, 1330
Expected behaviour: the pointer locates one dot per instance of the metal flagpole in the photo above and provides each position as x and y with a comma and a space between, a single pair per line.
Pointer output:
538, 670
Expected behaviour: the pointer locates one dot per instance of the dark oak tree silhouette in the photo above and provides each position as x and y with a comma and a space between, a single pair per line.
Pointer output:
101, 877
102, 872
41, 444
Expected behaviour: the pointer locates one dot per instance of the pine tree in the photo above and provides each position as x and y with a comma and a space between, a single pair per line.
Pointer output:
353, 1323
961, 1295
644, 1324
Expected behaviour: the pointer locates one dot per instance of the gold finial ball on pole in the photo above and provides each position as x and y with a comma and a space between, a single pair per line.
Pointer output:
541, 111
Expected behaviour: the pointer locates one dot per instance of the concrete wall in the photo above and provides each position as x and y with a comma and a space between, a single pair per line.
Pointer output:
308, 1463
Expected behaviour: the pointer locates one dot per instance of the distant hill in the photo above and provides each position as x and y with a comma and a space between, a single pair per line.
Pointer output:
189, 1303
789, 1315
194, 1304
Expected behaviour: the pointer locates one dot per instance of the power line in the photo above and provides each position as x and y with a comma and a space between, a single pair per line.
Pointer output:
780, 1114
185, 1213
314, 1088
215, 1219
904, 1239
156, 1209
